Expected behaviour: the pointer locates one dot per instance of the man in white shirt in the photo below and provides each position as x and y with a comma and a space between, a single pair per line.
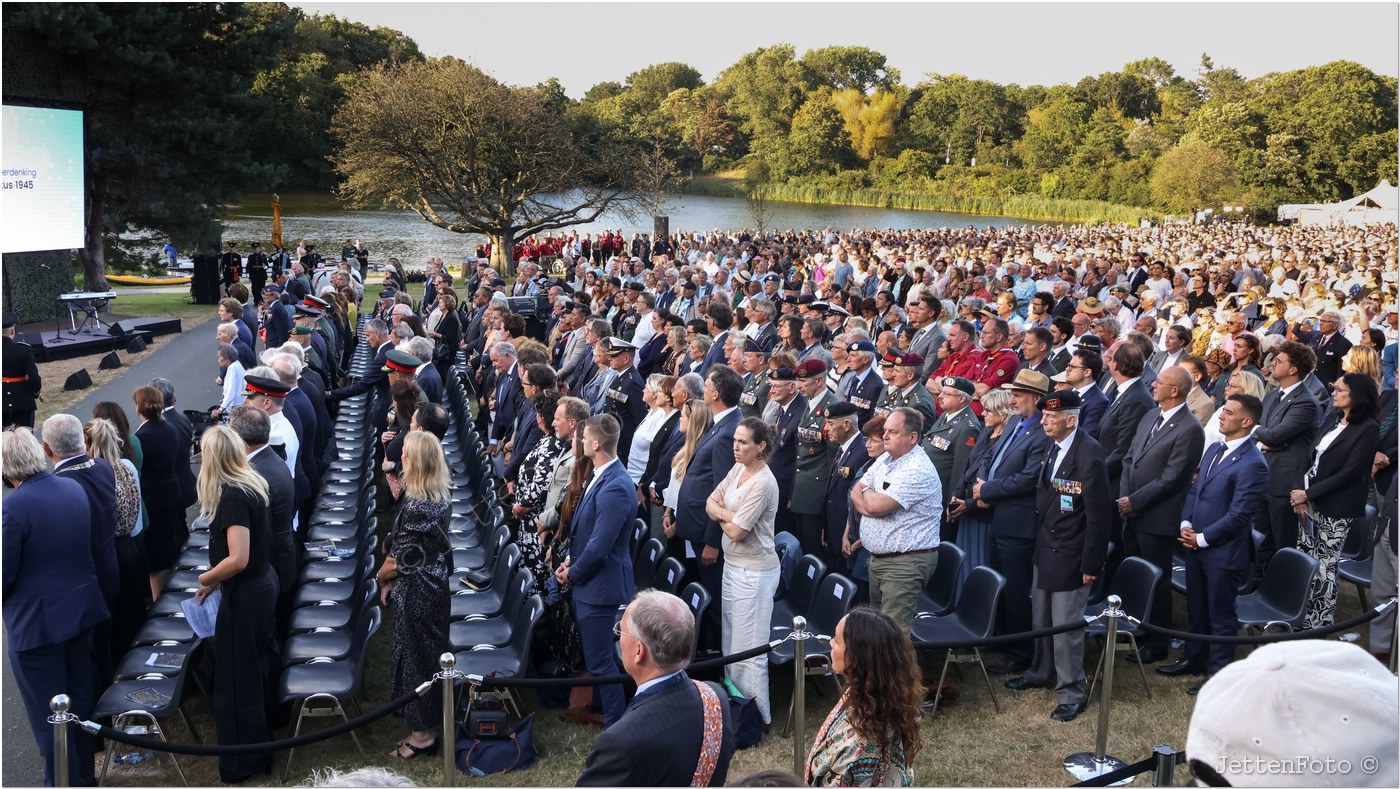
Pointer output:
232, 381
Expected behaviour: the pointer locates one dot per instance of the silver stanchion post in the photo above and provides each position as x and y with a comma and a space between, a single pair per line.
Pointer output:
1085, 765
60, 719
1164, 759
799, 694
447, 740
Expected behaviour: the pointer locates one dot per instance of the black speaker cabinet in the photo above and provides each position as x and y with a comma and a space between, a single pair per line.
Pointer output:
78, 380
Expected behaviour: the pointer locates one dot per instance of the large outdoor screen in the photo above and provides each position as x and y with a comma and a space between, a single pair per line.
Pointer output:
41, 179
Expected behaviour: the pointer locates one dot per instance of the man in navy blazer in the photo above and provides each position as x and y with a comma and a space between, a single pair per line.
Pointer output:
660, 739
792, 406
719, 318
374, 380
599, 564
52, 600
1082, 374
65, 447
1215, 530
1286, 432
843, 431
426, 375
713, 458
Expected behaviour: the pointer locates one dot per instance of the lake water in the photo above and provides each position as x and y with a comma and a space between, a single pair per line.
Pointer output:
322, 220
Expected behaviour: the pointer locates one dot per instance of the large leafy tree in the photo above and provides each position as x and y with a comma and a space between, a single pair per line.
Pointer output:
306, 87
472, 155
164, 87
1194, 175
762, 93
857, 68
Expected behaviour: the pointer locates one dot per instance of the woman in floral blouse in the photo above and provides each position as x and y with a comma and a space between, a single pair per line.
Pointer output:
872, 735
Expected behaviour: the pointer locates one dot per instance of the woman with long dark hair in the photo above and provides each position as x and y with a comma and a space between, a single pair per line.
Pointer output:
872, 734
1335, 489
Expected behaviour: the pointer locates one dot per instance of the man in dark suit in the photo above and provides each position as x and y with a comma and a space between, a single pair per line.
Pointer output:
1124, 413
843, 433
814, 452
862, 387
374, 380
718, 317
1286, 433
713, 458
65, 448
426, 375
184, 471
302, 414
1215, 531
1072, 511
762, 312
662, 737
1006, 483
254, 427
52, 597
21, 377
1157, 472
623, 397
1082, 375
792, 407
1331, 346
599, 563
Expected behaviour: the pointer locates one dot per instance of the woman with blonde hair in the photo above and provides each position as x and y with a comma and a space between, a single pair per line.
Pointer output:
234, 499
1238, 382
413, 581
104, 440
696, 418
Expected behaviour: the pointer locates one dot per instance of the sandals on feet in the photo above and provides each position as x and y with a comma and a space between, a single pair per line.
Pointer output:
414, 750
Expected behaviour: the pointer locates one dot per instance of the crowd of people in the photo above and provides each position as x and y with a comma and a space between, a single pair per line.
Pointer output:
1050, 400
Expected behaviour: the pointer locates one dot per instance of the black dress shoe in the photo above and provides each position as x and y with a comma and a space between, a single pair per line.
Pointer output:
1067, 712
1021, 683
1145, 656
1007, 667
1194, 689
1181, 668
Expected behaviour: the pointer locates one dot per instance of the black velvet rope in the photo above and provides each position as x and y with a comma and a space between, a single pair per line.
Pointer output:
1296, 635
489, 682
1010, 638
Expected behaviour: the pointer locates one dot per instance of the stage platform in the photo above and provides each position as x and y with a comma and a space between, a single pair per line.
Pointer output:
64, 344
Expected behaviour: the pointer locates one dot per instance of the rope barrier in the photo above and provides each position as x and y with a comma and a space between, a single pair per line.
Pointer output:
153, 744
1011, 638
612, 679
1294, 635
1110, 778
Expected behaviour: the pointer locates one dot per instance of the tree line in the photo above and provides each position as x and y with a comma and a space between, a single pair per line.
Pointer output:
191, 104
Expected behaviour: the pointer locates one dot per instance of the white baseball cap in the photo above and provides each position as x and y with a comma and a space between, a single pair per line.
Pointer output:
1298, 713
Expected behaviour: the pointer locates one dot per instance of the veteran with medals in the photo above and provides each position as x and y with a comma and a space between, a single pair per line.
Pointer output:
623, 397
813, 457
756, 381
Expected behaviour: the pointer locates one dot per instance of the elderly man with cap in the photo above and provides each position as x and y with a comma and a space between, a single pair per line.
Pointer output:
756, 380
861, 386
623, 396
899, 499
902, 389
301, 336
843, 431
1007, 481
307, 316
21, 381
791, 411
327, 329
1073, 503
814, 453
949, 442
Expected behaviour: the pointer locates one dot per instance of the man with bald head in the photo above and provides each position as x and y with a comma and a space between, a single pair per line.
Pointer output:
1157, 473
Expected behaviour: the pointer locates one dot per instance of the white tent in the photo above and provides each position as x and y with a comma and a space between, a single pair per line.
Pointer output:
1374, 207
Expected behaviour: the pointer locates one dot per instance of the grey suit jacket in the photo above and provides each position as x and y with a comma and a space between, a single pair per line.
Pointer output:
1288, 430
1157, 471
1119, 425
926, 344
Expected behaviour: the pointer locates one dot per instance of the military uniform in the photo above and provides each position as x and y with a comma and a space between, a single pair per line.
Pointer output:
623, 399
866, 394
626, 325
813, 474
916, 398
948, 445
21, 382
755, 395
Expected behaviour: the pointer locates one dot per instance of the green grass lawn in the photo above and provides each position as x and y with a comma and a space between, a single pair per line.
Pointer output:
173, 304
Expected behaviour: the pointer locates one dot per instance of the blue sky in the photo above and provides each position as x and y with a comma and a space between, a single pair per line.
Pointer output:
585, 43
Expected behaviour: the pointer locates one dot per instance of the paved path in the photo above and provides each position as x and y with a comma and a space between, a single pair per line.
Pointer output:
187, 360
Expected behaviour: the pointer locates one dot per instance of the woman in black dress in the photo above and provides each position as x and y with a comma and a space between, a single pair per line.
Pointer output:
413, 581
234, 498
166, 532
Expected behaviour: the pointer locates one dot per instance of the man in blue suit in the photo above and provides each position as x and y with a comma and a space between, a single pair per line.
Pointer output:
426, 375
52, 600
713, 458
1215, 530
599, 564
374, 381
1082, 375
719, 318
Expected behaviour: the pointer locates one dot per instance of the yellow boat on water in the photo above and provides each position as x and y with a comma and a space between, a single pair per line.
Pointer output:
124, 279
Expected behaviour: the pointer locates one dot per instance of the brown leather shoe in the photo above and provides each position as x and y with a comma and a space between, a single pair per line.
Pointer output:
583, 717
950, 690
